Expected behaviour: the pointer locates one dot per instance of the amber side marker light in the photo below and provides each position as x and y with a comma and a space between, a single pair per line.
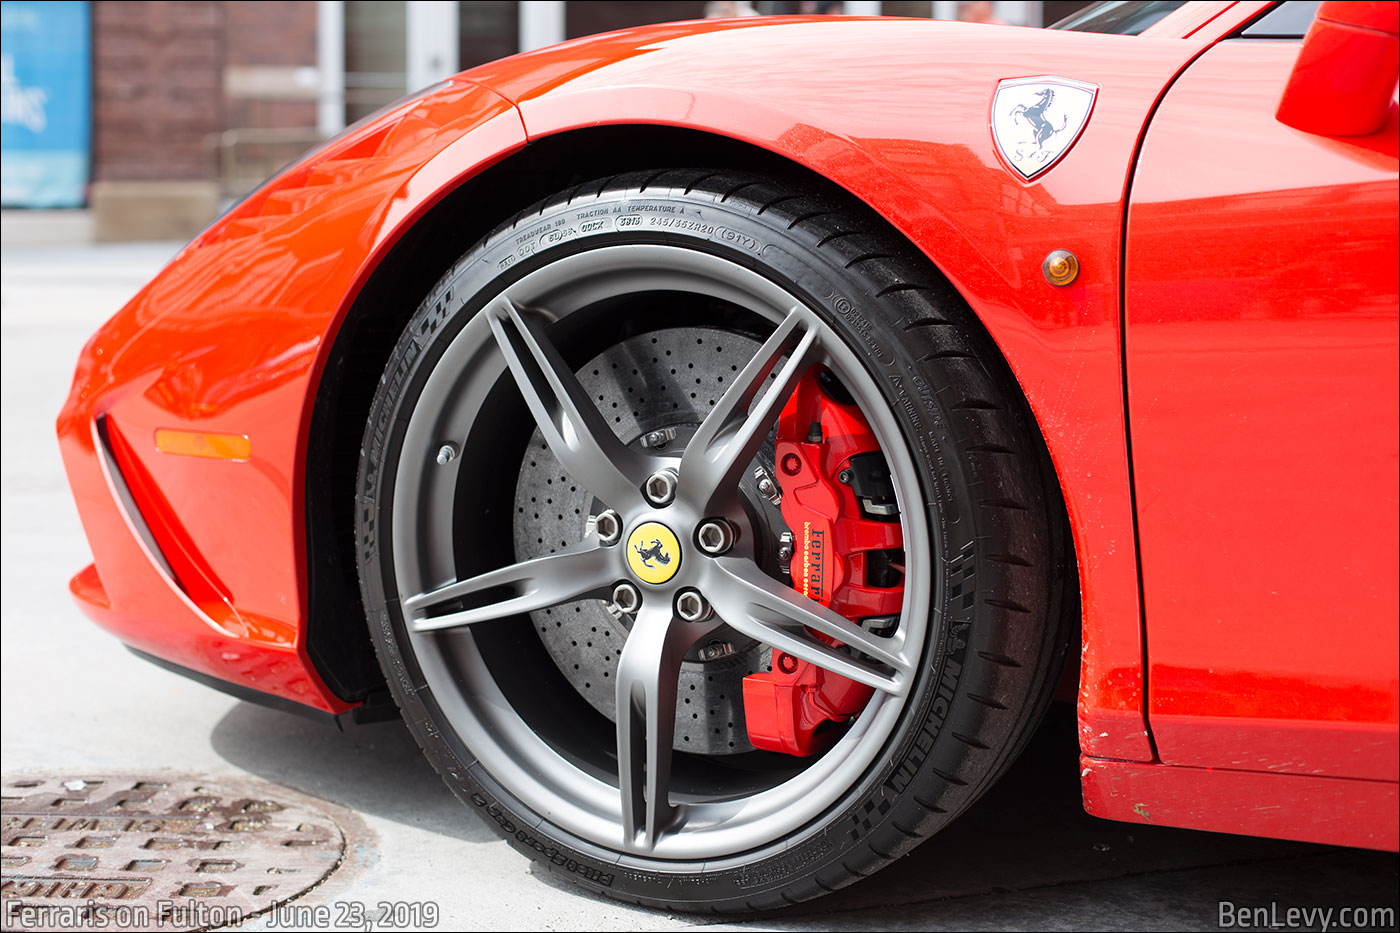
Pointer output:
198, 444
1060, 267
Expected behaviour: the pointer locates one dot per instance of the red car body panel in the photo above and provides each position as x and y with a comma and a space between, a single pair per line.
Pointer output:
894, 111
1264, 400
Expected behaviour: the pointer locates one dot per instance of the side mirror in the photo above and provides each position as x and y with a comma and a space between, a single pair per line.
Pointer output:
1345, 76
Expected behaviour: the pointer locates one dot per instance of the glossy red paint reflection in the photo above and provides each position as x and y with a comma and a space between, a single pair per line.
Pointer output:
1343, 80
1263, 379
226, 341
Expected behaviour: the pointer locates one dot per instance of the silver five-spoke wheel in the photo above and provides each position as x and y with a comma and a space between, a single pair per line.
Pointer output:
639, 808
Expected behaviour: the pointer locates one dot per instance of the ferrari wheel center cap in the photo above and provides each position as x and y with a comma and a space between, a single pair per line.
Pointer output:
653, 553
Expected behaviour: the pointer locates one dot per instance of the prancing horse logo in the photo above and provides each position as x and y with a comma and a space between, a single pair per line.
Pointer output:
655, 563
655, 552
1036, 120
1035, 116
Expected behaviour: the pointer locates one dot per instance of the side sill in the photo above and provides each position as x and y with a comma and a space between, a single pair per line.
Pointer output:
378, 707
1303, 807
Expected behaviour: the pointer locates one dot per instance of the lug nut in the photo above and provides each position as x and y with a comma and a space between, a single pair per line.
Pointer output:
692, 607
715, 536
446, 454
660, 487
608, 524
626, 598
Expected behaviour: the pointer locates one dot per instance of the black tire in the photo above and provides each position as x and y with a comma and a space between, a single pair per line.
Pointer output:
997, 633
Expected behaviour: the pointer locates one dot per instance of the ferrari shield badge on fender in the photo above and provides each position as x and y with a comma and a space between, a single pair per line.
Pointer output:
1036, 120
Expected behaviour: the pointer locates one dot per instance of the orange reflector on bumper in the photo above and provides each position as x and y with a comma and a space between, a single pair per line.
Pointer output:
196, 444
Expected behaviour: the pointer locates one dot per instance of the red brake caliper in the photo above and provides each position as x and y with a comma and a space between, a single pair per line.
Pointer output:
832, 563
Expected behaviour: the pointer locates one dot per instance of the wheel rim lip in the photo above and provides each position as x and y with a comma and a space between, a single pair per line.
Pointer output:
505, 746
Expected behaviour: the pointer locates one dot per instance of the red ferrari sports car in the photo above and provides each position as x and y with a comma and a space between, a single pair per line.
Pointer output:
715, 439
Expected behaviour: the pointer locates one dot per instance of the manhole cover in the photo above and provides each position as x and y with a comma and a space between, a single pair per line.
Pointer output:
169, 852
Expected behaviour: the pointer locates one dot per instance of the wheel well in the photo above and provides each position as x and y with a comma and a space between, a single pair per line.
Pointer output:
337, 636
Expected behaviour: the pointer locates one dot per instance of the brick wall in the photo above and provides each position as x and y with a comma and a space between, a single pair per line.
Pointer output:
162, 74
272, 36
157, 88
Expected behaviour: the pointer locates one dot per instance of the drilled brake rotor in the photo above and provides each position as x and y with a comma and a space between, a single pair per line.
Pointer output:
661, 381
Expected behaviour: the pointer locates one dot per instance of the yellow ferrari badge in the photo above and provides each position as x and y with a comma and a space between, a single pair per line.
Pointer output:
653, 553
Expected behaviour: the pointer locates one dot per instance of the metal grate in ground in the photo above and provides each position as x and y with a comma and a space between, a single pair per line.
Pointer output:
167, 852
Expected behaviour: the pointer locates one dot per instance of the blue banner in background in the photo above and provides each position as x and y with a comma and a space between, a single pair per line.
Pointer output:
45, 102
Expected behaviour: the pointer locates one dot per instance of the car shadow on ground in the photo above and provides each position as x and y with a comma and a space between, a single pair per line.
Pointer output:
1029, 833
376, 770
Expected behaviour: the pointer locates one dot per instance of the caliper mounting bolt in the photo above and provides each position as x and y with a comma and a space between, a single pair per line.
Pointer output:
785, 547
766, 487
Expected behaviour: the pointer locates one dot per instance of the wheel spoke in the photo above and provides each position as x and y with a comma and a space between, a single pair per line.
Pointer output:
732, 433
648, 677
758, 606
576, 573
573, 428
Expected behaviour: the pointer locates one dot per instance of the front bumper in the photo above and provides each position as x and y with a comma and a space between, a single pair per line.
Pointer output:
201, 560
145, 589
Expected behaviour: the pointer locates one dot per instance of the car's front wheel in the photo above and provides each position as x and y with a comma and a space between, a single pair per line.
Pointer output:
705, 545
